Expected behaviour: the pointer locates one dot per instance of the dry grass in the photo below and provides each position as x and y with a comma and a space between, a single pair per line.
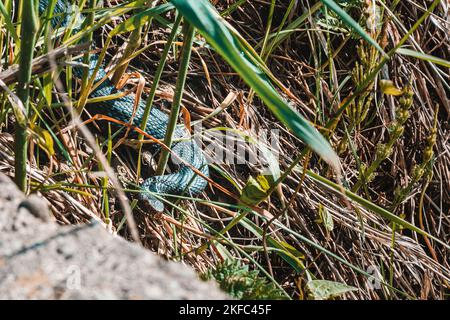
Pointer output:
415, 268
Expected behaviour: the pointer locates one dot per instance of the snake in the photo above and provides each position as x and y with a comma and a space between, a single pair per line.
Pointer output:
183, 180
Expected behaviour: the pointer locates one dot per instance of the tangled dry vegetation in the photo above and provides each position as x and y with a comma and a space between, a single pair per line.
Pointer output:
392, 141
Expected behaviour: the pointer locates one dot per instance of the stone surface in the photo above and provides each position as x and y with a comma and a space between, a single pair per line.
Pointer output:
41, 260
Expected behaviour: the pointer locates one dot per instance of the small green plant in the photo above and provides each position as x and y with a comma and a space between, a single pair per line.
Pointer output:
330, 20
242, 283
419, 171
396, 129
369, 58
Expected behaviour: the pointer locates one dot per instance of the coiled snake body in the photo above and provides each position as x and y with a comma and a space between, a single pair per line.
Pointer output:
185, 180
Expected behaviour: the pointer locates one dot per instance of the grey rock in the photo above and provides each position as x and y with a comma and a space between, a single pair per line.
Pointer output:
37, 207
41, 260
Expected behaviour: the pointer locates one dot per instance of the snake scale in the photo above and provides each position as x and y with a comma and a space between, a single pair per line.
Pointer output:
184, 180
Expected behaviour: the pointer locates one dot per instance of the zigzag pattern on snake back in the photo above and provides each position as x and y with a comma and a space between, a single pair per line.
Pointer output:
185, 180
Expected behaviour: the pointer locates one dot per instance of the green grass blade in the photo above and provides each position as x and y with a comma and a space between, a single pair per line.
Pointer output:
372, 207
8, 22
352, 23
423, 56
140, 19
281, 35
203, 16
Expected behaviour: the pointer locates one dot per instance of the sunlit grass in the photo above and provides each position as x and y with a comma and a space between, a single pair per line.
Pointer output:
373, 157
